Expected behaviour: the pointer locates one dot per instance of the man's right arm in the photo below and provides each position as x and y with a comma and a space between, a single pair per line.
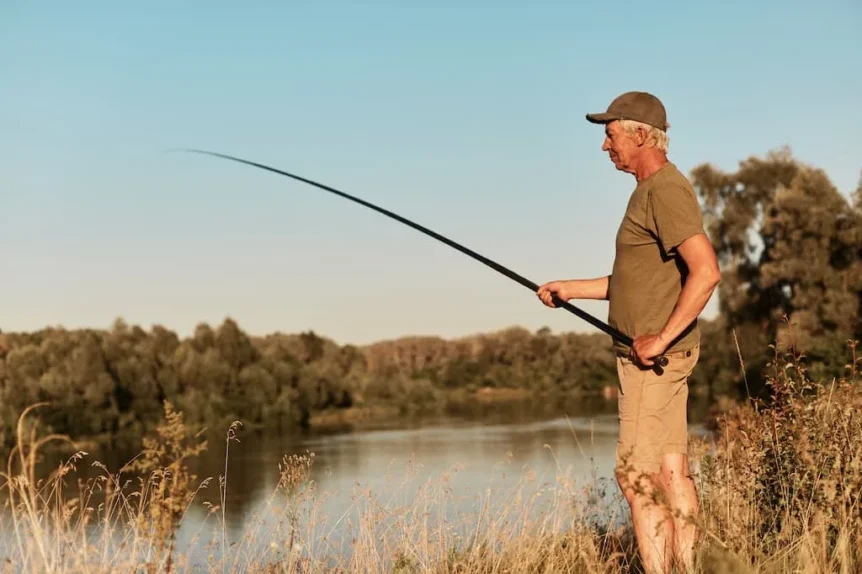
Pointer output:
574, 289
588, 288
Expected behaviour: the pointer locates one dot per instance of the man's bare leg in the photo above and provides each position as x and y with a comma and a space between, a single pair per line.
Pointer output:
682, 496
652, 524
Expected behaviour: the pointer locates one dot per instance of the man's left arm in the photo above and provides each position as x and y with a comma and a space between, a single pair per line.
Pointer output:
676, 219
703, 276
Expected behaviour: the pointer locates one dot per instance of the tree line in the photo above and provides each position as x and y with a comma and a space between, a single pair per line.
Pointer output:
789, 244
111, 383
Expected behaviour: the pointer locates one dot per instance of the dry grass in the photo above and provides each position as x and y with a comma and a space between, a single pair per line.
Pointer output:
779, 489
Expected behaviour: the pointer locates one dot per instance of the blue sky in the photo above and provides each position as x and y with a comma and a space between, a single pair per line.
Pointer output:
467, 117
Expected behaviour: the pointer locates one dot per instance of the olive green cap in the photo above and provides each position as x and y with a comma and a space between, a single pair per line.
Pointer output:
638, 106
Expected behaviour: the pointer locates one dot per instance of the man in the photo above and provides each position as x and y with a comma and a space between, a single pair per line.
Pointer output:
664, 272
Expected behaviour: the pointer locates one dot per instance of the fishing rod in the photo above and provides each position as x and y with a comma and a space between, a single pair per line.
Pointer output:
660, 361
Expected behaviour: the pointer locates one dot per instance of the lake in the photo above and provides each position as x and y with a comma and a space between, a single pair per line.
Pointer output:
411, 479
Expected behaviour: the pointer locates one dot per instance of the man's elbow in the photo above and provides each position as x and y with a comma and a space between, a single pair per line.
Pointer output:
701, 260
710, 275
706, 274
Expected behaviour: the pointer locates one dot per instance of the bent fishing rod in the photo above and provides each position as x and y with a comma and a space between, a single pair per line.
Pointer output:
659, 361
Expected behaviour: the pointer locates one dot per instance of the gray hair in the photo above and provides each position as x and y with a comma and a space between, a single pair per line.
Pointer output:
655, 137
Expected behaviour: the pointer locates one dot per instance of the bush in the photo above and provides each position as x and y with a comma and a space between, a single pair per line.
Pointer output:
782, 486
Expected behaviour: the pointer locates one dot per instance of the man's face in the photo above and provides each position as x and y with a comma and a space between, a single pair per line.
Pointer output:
622, 147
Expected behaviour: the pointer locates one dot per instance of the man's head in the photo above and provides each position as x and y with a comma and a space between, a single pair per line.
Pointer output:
635, 129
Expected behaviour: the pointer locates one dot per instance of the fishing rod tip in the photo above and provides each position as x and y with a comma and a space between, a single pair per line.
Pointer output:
174, 150
185, 149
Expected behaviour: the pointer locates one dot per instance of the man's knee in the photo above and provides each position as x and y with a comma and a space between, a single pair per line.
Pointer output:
675, 471
638, 481
636, 463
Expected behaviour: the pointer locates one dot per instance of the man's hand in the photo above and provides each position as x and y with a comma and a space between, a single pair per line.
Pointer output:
646, 347
548, 290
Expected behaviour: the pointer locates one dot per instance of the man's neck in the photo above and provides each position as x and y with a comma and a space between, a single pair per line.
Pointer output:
649, 164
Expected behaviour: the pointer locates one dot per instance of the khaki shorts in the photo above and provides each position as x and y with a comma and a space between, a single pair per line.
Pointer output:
652, 411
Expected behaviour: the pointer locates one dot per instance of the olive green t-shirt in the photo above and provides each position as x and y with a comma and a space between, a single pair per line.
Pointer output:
648, 274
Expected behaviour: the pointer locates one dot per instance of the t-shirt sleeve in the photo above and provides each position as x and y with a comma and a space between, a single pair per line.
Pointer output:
673, 215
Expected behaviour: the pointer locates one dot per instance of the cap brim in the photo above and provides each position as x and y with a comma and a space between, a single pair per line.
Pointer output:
602, 118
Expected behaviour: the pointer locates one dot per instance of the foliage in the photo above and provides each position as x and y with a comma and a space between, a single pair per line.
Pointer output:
110, 385
167, 487
790, 245
781, 489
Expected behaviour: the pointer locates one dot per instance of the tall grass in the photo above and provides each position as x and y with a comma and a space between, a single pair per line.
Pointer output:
779, 486
781, 492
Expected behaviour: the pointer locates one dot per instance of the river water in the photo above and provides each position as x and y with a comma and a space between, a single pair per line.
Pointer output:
449, 471
409, 480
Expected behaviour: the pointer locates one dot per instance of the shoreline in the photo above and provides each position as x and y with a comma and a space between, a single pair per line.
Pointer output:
460, 404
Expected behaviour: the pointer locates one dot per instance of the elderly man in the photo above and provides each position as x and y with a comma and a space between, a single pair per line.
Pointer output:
664, 272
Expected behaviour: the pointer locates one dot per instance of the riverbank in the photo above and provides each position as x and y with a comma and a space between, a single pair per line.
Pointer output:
489, 404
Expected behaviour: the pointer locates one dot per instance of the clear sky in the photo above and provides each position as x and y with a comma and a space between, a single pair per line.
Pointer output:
465, 116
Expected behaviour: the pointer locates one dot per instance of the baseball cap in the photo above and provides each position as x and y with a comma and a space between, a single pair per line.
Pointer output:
639, 106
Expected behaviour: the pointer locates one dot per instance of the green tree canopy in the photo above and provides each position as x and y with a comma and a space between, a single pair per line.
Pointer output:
789, 244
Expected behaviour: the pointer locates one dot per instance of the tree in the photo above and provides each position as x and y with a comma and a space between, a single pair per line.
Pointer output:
789, 246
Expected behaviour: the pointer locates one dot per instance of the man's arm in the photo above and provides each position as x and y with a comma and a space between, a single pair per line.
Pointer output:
588, 288
574, 289
703, 276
